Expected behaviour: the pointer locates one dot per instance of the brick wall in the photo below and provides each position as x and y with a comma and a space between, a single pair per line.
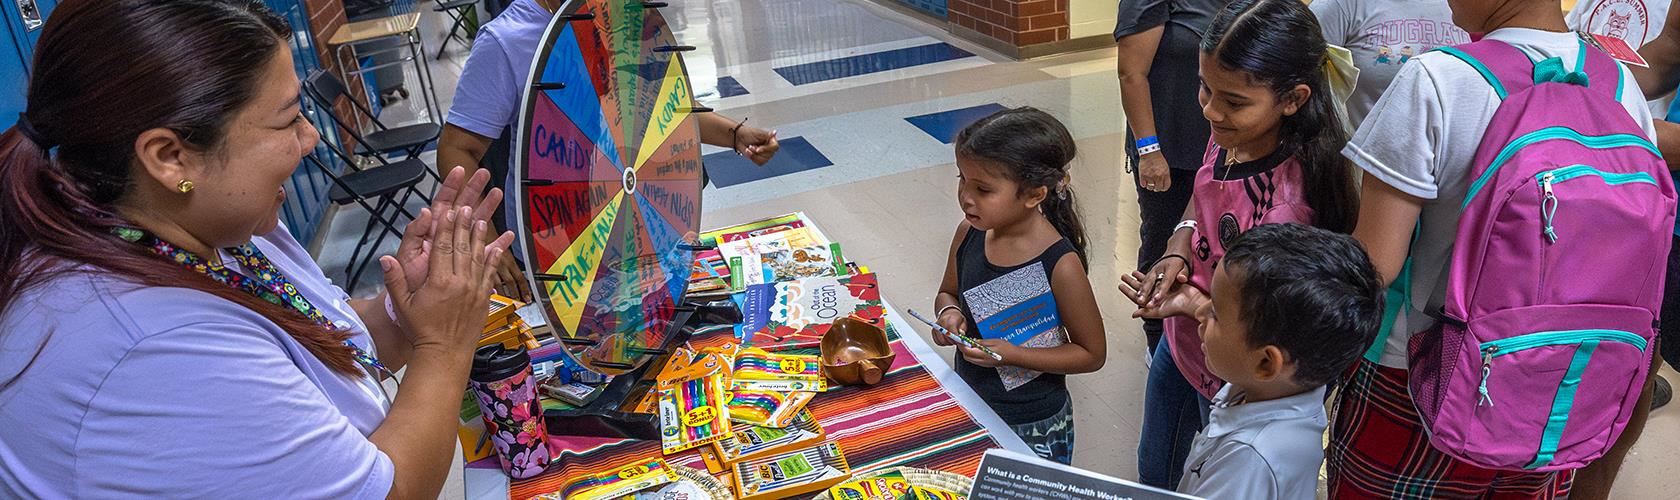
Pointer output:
1019, 23
325, 17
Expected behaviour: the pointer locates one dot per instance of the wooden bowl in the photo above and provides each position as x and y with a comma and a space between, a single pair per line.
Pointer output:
855, 352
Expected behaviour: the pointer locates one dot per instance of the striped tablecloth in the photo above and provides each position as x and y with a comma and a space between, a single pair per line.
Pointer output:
910, 418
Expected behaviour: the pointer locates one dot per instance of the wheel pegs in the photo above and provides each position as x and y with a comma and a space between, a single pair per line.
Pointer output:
578, 17
654, 5
698, 109
548, 85
613, 365
552, 278
694, 248
674, 48
538, 182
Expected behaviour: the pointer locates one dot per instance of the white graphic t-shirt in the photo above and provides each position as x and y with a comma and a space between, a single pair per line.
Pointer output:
1384, 35
1634, 21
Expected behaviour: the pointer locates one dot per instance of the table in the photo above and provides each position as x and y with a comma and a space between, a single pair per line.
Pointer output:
925, 385
407, 26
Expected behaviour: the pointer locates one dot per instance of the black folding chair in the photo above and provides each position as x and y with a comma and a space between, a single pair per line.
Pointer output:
456, 9
325, 89
384, 191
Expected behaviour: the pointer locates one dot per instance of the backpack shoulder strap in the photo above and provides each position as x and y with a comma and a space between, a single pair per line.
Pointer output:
1505, 68
1602, 70
1510, 70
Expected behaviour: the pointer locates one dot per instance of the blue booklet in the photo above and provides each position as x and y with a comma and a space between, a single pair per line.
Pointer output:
1018, 307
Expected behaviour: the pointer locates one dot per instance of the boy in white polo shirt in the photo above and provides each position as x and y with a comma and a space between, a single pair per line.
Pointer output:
1292, 308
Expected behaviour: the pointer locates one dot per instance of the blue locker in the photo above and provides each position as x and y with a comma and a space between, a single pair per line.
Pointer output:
306, 192
20, 23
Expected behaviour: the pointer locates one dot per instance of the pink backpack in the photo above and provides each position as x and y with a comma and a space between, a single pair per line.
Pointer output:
1556, 274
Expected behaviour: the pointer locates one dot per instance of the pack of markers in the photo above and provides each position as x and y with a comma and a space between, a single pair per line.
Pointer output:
767, 408
703, 396
693, 405
755, 369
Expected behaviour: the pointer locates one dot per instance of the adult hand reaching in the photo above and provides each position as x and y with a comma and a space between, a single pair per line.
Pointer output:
446, 310
457, 190
510, 280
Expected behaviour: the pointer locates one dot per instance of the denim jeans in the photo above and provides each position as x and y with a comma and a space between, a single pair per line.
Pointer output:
1172, 414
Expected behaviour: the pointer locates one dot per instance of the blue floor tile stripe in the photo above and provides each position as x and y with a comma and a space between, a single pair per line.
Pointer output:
727, 86
944, 125
797, 155
863, 64
936, 7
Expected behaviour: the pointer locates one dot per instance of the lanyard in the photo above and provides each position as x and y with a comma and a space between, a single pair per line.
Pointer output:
268, 284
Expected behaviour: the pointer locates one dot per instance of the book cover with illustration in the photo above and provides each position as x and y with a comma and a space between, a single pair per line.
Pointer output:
795, 314
759, 254
805, 262
1017, 307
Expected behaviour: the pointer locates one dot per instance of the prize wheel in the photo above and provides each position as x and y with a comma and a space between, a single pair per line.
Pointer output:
609, 198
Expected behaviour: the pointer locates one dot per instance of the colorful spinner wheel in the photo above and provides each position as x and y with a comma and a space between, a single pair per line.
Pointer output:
609, 158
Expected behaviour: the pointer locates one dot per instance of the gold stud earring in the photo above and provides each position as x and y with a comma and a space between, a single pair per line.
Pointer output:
185, 186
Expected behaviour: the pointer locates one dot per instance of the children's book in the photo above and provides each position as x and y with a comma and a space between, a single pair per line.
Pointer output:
754, 228
754, 259
796, 314
804, 262
1020, 308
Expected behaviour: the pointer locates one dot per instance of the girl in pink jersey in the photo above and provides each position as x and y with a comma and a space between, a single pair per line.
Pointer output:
1274, 157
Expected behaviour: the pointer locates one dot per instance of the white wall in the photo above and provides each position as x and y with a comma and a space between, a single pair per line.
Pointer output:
1091, 17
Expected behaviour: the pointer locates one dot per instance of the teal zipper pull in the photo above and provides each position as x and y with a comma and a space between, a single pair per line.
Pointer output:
1487, 369
1548, 206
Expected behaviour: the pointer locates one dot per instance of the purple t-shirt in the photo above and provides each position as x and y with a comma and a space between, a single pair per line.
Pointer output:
170, 392
492, 82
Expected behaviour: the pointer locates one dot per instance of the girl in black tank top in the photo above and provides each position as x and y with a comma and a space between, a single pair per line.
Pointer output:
1015, 279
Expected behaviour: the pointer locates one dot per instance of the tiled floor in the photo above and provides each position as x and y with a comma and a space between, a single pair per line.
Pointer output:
888, 194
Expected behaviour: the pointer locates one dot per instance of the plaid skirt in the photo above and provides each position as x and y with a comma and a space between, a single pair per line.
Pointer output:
1379, 449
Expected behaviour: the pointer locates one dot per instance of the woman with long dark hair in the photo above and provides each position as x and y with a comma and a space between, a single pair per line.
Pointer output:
161, 334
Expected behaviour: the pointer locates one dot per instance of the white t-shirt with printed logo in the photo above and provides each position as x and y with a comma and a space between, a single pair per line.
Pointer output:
1383, 35
1633, 21
1636, 22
